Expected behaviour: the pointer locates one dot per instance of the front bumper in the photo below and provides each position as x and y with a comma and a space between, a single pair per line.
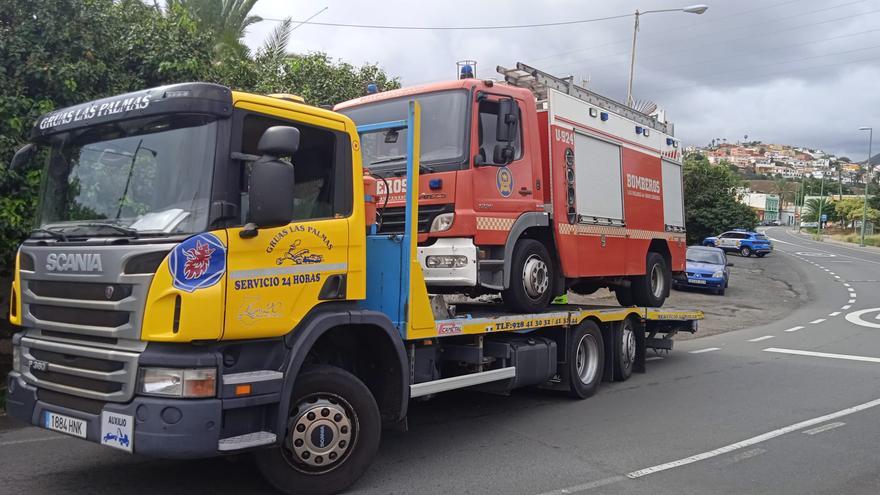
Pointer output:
699, 282
167, 428
465, 276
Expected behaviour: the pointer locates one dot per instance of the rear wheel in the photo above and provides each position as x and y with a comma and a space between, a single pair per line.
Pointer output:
745, 251
586, 360
624, 350
531, 277
652, 288
333, 435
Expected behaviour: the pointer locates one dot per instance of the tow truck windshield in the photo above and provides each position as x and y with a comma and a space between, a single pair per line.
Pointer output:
444, 132
143, 176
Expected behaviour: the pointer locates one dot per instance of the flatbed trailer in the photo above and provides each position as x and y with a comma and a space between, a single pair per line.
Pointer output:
296, 341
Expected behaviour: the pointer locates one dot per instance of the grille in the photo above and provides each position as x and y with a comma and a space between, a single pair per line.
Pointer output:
83, 372
82, 291
79, 316
393, 218
69, 401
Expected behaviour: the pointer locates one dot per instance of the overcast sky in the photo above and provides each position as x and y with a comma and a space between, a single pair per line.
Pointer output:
801, 72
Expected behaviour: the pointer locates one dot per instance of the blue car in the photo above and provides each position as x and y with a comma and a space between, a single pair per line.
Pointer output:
742, 241
707, 268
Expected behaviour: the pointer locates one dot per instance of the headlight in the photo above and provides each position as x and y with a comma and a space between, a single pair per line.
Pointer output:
446, 261
16, 358
184, 383
442, 222
718, 274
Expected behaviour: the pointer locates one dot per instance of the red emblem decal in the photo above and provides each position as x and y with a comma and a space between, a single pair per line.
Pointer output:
197, 260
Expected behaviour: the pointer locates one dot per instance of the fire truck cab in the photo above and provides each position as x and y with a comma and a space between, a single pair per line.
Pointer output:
531, 187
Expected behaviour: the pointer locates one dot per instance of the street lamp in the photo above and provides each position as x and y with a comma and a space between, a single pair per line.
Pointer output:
693, 9
867, 181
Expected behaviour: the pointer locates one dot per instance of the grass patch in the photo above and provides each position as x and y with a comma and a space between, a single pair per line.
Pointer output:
870, 240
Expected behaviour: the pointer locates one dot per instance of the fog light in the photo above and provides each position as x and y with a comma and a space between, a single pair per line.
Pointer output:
184, 383
442, 222
446, 261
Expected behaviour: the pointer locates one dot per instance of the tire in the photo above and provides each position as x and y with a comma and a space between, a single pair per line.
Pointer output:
745, 251
625, 350
624, 296
353, 418
531, 278
586, 360
652, 288
720, 291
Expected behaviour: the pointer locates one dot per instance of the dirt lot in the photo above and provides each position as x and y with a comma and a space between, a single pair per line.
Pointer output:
760, 290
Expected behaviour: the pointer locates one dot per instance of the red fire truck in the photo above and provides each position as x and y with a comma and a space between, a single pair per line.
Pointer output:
532, 186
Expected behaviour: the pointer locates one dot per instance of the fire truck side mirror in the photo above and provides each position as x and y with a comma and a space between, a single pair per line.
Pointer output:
270, 191
508, 117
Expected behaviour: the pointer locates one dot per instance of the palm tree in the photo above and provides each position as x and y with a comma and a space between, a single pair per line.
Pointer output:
228, 20
814, 206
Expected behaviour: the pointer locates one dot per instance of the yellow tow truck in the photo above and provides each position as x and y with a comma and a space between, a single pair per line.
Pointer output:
204, 281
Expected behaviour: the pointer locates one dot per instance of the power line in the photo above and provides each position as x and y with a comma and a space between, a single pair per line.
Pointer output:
453, 28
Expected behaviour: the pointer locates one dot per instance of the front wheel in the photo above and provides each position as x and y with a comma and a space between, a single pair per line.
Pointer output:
531, 277
624, 350
652, 288
745, 251
332, 436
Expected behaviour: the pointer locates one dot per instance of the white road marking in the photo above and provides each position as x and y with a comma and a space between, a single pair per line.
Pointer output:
831, 273
836, 276
856, 318
820, 429
847, 357
846, 284
816, 321
834, 313
853, 294
586, 486
752, 441
744, 455
850, 289
847, 306
33, 440
851, 301
708, 349
758, 339
795, 329
654, 358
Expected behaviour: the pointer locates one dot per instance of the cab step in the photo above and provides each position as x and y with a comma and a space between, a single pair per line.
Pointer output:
246, 441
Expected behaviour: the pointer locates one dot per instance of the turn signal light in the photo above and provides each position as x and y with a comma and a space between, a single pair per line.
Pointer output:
243, 389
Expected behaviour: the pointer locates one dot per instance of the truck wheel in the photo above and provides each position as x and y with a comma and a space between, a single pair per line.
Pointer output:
586, 360
745, 251
531, 277
651, 289
333, 434
624, 296
624, 350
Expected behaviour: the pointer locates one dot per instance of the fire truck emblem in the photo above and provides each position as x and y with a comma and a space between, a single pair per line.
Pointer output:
198, 262
504, 181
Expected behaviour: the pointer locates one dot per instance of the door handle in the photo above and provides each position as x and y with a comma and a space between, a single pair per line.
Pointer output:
525, 191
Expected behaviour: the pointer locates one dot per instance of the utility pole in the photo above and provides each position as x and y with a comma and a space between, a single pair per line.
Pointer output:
821, 204
867, 182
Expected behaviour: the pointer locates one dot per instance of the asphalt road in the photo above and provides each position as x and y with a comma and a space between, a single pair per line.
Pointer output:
784, 406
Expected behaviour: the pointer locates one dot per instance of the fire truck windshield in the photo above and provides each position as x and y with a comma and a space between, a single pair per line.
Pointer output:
444, 132
144, 176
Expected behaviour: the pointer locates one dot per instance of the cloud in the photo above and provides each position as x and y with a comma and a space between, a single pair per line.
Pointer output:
797, 72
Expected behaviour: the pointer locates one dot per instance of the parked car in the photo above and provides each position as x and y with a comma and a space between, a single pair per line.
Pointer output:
743, 241
707, 268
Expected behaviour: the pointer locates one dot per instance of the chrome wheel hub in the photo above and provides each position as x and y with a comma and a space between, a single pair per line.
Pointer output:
628, 346
657, 281
535, 276
321, 433
586, 363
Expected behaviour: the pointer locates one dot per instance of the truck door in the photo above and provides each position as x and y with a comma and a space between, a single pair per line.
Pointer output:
498, 188
276, 277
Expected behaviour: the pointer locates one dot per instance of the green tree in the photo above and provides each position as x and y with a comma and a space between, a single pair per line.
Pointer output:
711, 200
226, 21
815, 205
851, 210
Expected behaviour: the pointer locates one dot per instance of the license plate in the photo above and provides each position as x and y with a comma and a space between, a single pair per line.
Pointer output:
64, 424
696, 281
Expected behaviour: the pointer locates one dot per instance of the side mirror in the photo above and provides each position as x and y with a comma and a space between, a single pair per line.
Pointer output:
270, 192
503, 154
508, 117
22, 156
278, 141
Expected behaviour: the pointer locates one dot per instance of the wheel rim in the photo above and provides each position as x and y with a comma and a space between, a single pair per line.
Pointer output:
586, 363
535, 276
628, 345
746, 251
322, 433
657, 281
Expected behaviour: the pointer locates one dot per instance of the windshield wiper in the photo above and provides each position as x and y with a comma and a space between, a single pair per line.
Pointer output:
388, 160
58, 236
118, 228
423, 169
